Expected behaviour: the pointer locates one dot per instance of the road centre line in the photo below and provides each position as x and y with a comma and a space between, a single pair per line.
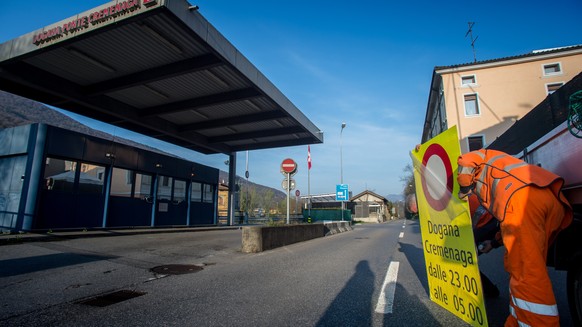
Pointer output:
386, 298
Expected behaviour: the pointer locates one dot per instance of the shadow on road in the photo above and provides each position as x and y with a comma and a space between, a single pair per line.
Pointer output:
415, 256
14, 267
409, 311
353, 305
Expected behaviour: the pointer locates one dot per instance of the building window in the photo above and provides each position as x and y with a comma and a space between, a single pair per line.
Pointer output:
208, 195
165, 188
551, 88
476, 142
196, 195
121, 182
91, 179
179, 191
471, 105
143, 186
129, 177
468, 80
443, 115
552, 69
60, 174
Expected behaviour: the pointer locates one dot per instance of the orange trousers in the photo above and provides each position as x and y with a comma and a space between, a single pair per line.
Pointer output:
533, 219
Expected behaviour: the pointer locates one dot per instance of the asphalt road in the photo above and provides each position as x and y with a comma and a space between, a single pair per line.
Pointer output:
331, 281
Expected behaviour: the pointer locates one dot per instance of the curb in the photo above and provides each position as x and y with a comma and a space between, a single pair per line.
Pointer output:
7, 239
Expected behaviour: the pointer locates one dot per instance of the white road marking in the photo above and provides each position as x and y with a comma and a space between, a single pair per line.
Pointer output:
401, 235
386, 299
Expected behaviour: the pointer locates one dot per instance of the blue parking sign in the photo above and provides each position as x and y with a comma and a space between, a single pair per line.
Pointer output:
341, 192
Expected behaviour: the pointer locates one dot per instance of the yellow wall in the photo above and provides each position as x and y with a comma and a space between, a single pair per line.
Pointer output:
506, 93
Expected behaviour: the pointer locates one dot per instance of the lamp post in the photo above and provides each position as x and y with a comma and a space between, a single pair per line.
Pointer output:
341, 155
342, 165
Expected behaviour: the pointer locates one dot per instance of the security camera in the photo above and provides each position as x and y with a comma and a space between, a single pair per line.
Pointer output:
193, 8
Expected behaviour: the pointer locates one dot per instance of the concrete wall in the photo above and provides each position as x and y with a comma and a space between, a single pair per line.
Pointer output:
261, 238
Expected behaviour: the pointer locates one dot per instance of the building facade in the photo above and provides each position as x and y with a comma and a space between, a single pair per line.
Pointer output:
189, 86
483, 99
53, 178
370, 207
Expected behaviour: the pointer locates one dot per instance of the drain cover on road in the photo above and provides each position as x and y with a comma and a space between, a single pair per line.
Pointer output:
176, 269
111, 298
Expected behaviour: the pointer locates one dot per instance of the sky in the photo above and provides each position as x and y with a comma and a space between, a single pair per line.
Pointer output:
366, 63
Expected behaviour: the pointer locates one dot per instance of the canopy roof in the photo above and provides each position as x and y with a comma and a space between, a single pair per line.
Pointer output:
156, 67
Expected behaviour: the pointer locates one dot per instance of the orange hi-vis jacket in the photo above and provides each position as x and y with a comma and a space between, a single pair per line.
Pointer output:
497, 176
528, 202
481, 219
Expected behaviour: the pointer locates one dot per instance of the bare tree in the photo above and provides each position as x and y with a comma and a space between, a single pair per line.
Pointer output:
408, 181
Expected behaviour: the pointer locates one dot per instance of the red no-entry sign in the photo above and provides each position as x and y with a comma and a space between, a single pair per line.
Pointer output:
288, 166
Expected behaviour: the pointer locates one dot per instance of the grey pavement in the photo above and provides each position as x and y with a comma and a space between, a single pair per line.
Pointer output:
39, 271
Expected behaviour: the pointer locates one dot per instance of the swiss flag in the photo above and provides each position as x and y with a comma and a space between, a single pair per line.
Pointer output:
308, 158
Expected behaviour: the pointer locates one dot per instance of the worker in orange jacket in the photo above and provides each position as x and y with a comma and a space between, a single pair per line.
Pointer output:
487, 236
528, 202
485, 228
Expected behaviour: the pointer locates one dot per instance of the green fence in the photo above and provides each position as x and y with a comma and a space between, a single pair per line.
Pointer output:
318, 215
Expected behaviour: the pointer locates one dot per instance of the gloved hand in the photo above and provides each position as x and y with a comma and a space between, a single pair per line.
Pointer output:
485, 246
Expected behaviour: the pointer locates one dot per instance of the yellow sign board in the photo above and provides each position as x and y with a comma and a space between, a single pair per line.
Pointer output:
447, 233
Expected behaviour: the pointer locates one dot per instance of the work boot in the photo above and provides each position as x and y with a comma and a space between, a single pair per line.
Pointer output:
489, 289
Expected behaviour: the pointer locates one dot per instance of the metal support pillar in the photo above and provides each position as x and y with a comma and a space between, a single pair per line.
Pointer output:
31, 177
231, 187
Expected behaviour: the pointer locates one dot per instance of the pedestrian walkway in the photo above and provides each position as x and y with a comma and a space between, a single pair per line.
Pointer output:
17, 238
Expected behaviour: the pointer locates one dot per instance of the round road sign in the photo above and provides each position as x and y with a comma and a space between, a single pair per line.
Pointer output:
288, 166
297, 193
437, 180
